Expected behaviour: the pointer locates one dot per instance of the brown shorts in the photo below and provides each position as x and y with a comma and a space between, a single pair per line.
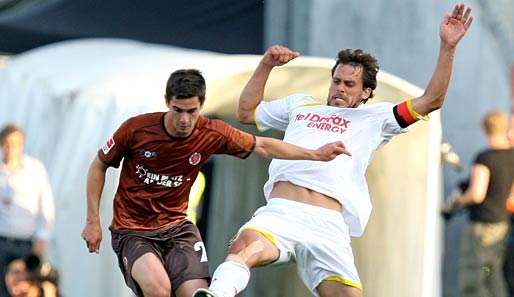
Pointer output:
179, 247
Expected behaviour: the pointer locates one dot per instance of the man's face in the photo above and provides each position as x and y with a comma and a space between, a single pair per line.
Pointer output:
183, 115
346, 88
12, 146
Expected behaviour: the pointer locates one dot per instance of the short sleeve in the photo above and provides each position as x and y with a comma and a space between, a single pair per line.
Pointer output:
115, 148
237, 142
482, 159
383, 112
275, 114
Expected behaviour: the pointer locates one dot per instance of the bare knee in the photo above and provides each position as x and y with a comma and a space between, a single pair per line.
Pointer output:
252, 249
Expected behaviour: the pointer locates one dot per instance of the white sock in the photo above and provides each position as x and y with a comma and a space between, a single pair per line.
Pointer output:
230, 278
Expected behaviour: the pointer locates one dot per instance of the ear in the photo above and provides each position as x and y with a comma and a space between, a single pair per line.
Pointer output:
366, 93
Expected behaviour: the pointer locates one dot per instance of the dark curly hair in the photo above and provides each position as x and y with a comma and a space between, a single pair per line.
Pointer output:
359, 58
185, 83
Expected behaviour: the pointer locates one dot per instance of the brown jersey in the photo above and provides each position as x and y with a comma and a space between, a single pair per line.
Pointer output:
158, 169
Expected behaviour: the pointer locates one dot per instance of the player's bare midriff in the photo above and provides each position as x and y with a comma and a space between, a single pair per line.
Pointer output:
287, 190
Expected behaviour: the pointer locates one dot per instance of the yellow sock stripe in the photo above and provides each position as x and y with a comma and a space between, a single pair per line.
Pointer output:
414, 113
343, 281
268, 235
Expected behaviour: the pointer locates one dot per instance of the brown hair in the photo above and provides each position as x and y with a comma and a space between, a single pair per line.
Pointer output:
184, 84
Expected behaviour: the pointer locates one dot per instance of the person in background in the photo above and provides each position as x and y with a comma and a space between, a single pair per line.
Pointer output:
508, 268
24, 281
483, 242
26, 202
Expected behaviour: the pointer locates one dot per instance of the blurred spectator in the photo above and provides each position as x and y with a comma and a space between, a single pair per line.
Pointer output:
508, 268
25, 281
26, 202
483, 243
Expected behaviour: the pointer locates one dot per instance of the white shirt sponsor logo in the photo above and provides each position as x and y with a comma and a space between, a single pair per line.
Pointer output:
333, 123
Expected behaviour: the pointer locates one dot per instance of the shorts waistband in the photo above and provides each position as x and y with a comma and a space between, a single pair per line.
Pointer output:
308, 208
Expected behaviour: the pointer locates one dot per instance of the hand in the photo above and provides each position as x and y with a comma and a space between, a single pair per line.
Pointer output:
92, 234
331, 150
451, 205
454, 26
38, 247
278, 55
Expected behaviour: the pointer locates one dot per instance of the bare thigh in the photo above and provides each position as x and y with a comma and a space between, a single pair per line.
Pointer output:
252, 249
151, 276
336, 289
187, 288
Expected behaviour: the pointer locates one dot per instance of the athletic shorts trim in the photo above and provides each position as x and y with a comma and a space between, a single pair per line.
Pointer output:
343, 281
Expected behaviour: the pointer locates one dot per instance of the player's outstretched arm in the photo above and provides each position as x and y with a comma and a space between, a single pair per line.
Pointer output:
253, 92
92, 232
453, 27
274, 148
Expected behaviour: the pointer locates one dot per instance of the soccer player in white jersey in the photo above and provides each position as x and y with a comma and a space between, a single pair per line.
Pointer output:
313, 208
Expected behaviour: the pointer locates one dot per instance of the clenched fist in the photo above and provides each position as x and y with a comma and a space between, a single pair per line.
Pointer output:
278, 55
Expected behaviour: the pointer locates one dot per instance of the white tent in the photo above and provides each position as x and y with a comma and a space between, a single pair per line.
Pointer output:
70, 97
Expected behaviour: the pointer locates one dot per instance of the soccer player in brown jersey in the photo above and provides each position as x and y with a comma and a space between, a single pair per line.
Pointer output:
160, 252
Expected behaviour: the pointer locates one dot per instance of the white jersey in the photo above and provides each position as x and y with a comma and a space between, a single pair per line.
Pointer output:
309, 124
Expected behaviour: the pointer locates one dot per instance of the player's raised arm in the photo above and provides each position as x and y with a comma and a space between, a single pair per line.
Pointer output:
452, 28
253, 92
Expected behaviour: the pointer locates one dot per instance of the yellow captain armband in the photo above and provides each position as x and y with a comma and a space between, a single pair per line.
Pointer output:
406, 115
414, 113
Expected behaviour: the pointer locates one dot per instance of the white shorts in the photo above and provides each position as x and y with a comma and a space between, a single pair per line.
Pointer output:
316, 238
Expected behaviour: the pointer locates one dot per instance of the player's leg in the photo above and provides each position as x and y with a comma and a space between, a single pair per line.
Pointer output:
250, 249
141, 264
187, 288
186, 261
325, 258
150, 275
262, 240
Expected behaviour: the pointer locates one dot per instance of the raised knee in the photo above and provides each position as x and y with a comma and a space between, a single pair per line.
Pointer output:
250, 254
156, 289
